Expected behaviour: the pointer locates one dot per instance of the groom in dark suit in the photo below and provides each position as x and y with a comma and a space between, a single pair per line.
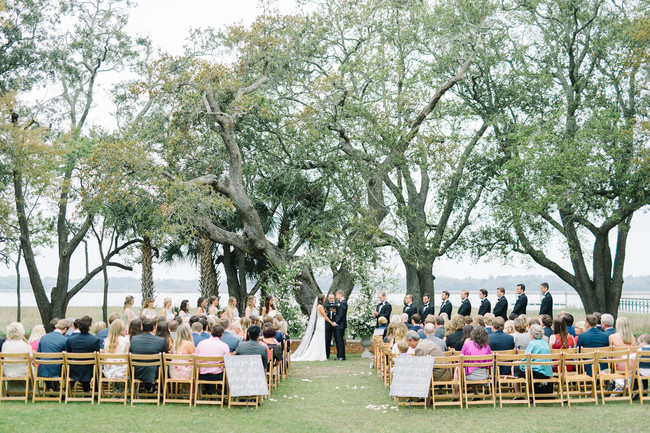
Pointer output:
341, 322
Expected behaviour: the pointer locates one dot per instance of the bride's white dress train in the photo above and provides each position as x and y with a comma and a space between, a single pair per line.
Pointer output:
312, 346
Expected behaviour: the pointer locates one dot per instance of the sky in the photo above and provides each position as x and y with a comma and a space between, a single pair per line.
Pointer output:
167, 23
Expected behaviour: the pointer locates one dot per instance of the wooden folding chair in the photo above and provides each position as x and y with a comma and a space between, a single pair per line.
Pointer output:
173, 386
450, 352
447, 389
107, 390
154, 360
555, 381
15, 360
385, 361
377, 341
506, 382
580, 387
642, 362
482, 390
74, 389
200, 397
40, 390
390, 366
611, 361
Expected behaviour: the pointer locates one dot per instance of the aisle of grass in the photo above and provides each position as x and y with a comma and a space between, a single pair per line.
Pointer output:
320, 396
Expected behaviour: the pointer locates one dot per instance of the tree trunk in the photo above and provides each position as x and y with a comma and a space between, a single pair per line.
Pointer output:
147, 269
18, 307
343, 280
105, 300
208, 279
232, 279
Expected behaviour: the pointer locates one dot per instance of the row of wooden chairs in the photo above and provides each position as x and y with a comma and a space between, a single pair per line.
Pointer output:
169, 389
570, 383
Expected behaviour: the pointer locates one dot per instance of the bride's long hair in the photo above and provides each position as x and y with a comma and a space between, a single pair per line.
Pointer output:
321, 299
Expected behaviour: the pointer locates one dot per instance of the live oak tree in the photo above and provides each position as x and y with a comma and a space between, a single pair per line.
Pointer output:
574, 163
74, 58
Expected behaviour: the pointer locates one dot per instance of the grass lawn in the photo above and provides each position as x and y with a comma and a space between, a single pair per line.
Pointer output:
321, 396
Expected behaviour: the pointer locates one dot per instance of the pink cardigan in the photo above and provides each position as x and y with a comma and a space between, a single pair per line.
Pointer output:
471, 349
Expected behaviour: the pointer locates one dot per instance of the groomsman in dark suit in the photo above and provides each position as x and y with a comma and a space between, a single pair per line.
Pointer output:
485, 306
446, 305
522, 302
383, 308
465, 308
341, 322
501, 307
330, 307
426, 307
83, 342
546, 307
409, 308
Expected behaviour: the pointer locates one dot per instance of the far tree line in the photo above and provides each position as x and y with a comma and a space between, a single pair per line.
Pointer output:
324, 141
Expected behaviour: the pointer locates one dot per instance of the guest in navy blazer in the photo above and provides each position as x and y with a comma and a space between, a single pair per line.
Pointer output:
499, 340
83, 342
607, 324
592, 337
53, 342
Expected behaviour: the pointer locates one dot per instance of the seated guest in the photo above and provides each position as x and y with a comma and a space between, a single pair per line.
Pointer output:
598, 316
197, 330
416, 323
252, 346
37, 332
440, 327
547, 325
183, 345
403, 348
644, 367
84, 342
96, 327
537, 346
162, 330
404, 318
398, 334
622, 338
204, 329
229, 337
422, 346
468, 320
580, 327
430, 334
568, 319
244, 323
390, 331
147, 344
135, 328
382, 324
53, 342
455, 332
477, 344
172, 325
489, 320
607, 323
522, 336
268, 338
212, 346
15, 343
499, 341
509, 327
560, 339
467, 333
102, 334
116, 343
592, 337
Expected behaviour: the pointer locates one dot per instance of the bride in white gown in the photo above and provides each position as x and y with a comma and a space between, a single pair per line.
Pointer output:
312, 346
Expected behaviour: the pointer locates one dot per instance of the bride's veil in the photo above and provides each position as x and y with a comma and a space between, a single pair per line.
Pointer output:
309, 332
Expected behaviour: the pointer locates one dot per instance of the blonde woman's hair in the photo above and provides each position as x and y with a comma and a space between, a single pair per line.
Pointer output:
623, 328
115, 331
245, 323
183, 333
457, 322
128, 301
231, 301
166, 301
250, 302
395, 318
400, 332
97, 326
37, 332
15, 331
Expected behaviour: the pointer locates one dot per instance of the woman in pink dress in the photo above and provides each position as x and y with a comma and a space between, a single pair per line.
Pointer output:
184, 345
